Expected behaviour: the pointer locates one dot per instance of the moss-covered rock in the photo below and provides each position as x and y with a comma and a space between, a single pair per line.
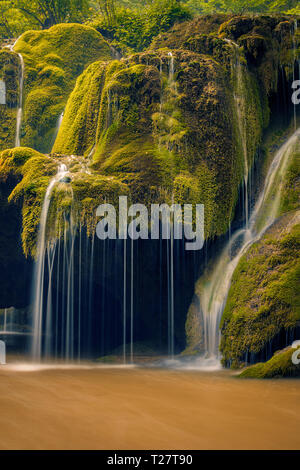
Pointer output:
54, 58
9, 74
263, 300
281, 365
166, 136
78, 194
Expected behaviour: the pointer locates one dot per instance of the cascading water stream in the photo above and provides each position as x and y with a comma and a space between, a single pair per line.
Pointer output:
20, 108
214, 284
39, 272
20, 103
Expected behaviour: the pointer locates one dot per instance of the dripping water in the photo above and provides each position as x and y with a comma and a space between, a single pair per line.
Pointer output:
240, 106
214, 285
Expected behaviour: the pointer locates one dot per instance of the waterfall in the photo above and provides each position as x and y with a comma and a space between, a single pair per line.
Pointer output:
20, 104
39, 272
214, 285
294, 62
131, 297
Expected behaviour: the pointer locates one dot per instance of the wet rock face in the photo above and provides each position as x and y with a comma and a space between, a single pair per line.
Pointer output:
159, 126
284, 363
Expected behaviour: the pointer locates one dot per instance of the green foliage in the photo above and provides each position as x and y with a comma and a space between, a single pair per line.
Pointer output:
134, 29
32, 173
51, 12
12, 21
243, 6
290, 199
153, 133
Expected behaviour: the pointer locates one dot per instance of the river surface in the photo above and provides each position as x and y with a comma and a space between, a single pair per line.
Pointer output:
90, 407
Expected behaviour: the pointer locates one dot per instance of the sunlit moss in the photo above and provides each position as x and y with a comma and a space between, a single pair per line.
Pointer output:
54, 58
79, 197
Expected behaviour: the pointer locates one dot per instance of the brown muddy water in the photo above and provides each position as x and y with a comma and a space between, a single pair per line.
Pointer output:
118, 408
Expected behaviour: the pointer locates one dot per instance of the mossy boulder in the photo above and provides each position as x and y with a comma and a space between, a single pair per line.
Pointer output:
9, 74
166, 136
54, 58
78, 194
281, 365
268, 43
263, 303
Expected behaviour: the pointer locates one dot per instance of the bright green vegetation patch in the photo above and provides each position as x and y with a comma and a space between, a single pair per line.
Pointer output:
54, 58
264, 296
133, 29
9, 74
280, 365
180, 123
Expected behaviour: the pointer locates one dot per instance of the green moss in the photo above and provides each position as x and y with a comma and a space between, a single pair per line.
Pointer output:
33, 171
280, 365
264, 293
54, 58
290, 199
149, 131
